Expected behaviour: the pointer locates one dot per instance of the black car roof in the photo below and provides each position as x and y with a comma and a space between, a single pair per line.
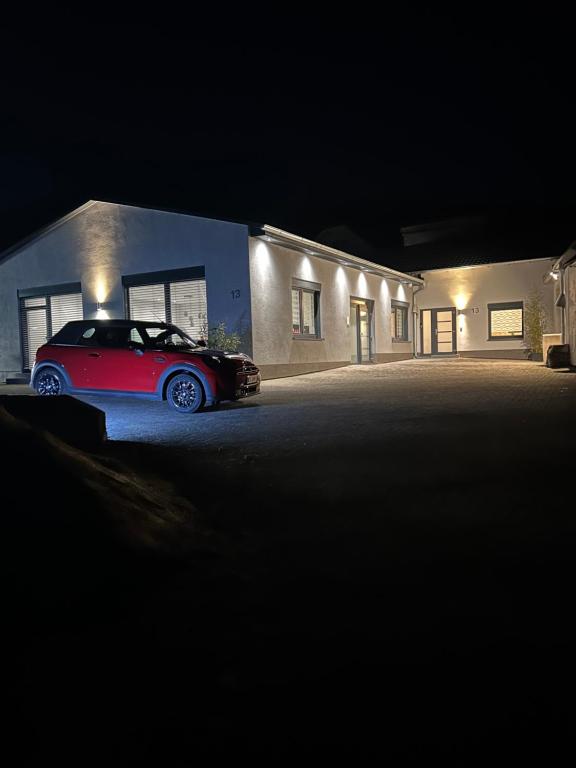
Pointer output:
71, 332
123, 323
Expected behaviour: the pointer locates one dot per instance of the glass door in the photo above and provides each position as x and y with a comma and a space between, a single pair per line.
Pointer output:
361, 330
443, 331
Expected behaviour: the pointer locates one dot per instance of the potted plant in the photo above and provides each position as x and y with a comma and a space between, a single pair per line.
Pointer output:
535, 320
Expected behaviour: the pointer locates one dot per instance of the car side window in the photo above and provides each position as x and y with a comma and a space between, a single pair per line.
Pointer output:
113, 336
136, 336
88, 338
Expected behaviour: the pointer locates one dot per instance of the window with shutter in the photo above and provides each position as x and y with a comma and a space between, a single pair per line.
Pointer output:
44, 312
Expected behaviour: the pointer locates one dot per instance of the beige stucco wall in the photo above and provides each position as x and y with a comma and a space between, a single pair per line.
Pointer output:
570, 291
272, 268
471, 289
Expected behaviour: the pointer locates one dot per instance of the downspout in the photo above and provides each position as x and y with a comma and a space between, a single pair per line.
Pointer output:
562, 308
415, 324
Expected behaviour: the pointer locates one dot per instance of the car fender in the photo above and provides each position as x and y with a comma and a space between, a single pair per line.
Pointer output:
186, 367
50, 364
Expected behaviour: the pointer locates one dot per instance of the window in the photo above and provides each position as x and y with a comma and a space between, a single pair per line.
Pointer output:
506, 321
305, 310
399, 321
44, 312
177, 296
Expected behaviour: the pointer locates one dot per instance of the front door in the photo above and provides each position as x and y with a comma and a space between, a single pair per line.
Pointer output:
360, 331
438, 331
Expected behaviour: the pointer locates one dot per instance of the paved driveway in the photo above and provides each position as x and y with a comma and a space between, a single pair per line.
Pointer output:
350, 405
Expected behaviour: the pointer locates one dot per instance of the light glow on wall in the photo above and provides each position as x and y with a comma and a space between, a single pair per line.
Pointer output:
461, 300
401, 293
262, 260
101, 289
384, 293
362, 286
306, 269
341, 279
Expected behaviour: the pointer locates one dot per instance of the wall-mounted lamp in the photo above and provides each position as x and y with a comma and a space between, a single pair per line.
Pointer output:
554, 275
98, 306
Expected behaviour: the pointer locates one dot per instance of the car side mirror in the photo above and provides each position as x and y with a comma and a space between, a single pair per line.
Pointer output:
201, 342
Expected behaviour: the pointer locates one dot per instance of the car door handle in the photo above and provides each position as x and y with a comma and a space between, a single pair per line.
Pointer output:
159, 359
93, 354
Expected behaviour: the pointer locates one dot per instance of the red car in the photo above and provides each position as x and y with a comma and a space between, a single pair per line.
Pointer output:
129, 357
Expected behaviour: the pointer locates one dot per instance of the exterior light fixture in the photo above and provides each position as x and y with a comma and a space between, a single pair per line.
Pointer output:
554, 275
98, 306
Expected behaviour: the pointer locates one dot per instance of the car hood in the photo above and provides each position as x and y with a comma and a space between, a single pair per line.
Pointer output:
204, 352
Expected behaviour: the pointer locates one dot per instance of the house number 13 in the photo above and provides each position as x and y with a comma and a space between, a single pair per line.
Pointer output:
235, 293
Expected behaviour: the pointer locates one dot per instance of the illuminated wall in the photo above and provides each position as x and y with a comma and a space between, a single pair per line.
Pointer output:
570, 289
104, 241
272, 269
471, 289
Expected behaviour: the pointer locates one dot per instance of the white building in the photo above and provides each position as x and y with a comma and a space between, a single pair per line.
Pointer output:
298, 306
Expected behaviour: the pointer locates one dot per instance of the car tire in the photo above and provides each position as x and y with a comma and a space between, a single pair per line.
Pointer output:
49, 382
185, 394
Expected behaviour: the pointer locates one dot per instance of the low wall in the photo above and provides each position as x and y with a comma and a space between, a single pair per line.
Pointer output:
280, 370
496, 354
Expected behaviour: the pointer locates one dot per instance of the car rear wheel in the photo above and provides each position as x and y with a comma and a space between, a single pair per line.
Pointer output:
185, 393
49, 382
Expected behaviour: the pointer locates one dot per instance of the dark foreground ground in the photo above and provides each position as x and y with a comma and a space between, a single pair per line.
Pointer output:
384, 566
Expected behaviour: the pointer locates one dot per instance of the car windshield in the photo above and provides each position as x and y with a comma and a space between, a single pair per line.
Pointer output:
168, 336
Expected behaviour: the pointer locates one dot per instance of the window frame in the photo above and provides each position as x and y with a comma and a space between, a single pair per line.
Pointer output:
165, 278
404, 306
45, 292
314, 289
504, 305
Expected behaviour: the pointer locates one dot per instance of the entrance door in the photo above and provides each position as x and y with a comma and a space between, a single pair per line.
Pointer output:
360, 331
438, 331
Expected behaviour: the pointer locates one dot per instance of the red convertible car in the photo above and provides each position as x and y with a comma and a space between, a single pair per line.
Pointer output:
154, 360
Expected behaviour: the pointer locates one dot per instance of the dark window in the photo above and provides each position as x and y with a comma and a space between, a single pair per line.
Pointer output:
506, 321
399, 321
113, 336
305, 310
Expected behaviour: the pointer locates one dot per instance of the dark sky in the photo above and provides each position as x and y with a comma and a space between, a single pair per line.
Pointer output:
372, 123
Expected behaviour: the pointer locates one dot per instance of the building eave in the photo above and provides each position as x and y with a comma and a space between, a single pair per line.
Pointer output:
271, 234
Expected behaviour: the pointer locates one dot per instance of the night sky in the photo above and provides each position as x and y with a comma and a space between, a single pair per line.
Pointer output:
371, 124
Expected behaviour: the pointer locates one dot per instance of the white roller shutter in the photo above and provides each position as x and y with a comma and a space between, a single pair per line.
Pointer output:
147, 302
43, 316
65, 308
181, 302
188, 307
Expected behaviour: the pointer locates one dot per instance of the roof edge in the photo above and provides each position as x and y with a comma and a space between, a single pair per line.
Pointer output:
289, 240
484, 264
43, 231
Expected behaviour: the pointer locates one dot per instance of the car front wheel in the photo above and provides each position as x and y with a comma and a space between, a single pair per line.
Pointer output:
185, 394
49, 382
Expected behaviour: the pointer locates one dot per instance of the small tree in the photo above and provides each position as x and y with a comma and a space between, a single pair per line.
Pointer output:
218, 338
535, 320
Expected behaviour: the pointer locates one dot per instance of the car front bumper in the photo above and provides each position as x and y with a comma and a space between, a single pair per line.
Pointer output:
247, 384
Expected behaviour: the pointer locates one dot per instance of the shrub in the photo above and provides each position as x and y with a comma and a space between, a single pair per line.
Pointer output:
535, 320
219, 338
